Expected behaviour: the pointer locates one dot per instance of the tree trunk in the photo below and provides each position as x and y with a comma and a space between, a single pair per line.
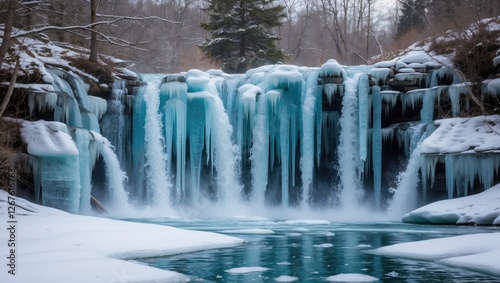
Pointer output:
9, 20
10, 90
93, 36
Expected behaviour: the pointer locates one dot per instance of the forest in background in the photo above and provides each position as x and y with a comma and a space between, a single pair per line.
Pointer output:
163, 35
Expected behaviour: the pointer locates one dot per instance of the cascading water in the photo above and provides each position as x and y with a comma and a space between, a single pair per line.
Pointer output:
158, 183
405, 195
118, 199
349, 162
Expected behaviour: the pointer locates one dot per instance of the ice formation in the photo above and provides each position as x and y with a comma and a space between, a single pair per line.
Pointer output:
278, 135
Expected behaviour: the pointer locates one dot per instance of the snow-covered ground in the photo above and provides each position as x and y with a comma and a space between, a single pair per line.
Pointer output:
481, 209
478, 252
54, 246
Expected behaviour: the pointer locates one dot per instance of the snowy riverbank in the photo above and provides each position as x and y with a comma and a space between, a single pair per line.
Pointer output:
54, 246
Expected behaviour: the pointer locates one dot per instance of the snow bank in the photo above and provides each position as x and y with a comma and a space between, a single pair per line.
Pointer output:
482, 209
464, 135
479, 252
47, 138
54, 246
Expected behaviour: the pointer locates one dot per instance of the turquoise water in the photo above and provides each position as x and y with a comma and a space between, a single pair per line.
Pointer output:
308, 252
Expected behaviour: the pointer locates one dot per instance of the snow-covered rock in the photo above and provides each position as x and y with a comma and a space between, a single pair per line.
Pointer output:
481, 209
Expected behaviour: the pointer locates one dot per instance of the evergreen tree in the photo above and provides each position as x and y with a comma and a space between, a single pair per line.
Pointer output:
412, 16
241, 32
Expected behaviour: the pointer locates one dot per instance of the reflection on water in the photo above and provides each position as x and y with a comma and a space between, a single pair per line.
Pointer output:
311, 253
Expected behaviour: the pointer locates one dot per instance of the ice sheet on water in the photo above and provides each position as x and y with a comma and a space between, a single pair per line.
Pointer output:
286, 278
324, 245
256, 231
307, 221
243, 270
351, 277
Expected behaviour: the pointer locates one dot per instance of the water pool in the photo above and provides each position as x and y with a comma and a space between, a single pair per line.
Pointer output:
312, 251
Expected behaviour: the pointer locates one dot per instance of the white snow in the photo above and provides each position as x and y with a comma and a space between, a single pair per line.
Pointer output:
256, 231
482, 209
479, 252
47, 138
248, 269
464, 135
286, 278
351, 277
55, 246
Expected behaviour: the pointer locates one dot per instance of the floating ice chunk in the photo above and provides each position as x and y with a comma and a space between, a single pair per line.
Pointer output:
255, 231
325, 245
309, 222
329, 234
301, 229
351, 277
249, 269
286, 278
392, 274
284, 263
364, 246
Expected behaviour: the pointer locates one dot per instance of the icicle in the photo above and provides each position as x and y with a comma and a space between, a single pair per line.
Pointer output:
196, 134
175, 127
44, 101
377, 144
98, 106
284, 150
332, 69
381, 75
330, 91
364, 117
389, 100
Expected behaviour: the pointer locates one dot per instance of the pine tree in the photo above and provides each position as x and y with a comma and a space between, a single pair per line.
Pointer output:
241, 32
413, 16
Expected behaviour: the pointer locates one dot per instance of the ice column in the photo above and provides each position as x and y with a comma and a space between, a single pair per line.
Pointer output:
377, 144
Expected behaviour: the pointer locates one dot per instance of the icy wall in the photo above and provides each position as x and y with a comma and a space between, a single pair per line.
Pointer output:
279, 135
